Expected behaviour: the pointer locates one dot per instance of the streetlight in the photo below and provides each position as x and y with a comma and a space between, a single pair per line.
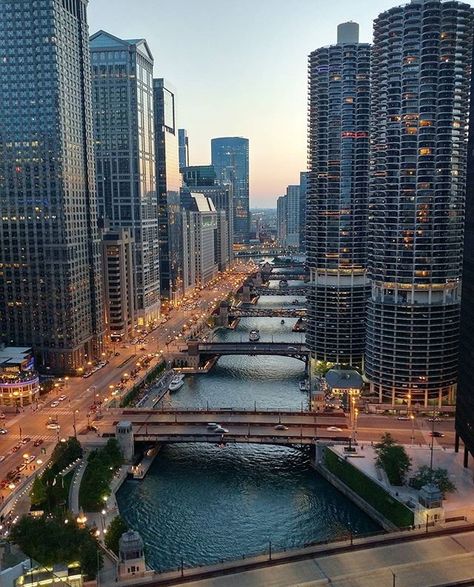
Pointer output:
74, 422
412, 418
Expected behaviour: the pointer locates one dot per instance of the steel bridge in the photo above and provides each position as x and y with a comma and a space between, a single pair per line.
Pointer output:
285, 349
254, 312
297, 290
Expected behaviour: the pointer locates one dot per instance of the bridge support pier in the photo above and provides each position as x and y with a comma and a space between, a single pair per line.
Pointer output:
246, 294
124, 435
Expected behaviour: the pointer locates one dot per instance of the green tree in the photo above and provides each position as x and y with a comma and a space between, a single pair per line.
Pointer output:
38, 494
115, 530
51, 541
438, 477
393, 459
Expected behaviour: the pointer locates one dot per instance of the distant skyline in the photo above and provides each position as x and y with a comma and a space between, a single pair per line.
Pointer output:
239, 69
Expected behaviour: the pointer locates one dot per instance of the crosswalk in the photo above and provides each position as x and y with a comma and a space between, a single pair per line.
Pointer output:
50, 436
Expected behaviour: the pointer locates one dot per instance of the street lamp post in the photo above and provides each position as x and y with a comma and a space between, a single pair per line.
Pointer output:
412, 418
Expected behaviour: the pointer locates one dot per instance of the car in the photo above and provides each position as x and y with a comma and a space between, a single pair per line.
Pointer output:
26, 440
334, 429
434, 419
2, 416
38, 442
61, 398
2, 458
212, 425
54, 404
281, 427
403, 418
117, 354
220, 430
437, 434
3, 431
15, 448
31, 458
53, 426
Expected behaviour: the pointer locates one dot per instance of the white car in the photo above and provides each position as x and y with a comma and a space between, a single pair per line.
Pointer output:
220, 430
212, 425
61, 398
53, 426
54, 404
334, 429
281, 427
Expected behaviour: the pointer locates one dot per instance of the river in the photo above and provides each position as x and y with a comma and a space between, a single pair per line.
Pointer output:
201, 504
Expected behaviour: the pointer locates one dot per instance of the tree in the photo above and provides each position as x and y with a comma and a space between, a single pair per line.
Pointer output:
393, 459
116, 528
38, 494
438, 477
51, 541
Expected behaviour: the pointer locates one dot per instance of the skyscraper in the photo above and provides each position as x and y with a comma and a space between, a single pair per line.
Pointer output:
230, 157
339, 94
122, 75
168, 184
303, 197
183, 142
50, 256
421, 67
293, 216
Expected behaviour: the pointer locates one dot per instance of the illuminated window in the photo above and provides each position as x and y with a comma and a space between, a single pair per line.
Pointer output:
425, 151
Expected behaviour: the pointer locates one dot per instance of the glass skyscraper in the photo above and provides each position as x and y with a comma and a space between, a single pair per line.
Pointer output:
230, 157
168, 184
122, 75
337, 195
422, 56
183, 144
50, 288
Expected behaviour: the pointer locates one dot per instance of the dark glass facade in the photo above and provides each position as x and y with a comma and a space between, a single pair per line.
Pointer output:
230, 157
50, 288
337, 196
465, 392
183, 144
302, 218
122, 76
168, 184
420, 104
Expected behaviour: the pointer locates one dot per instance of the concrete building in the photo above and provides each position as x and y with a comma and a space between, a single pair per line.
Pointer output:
337, 197
50, 287
117, 248
168, 184
200, 238
281, 220
122, 75
420, 111
303, 219
183, 142
293, 216
230, 157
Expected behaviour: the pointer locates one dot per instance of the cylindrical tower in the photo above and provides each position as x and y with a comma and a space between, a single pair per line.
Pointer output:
421, 65
338, 159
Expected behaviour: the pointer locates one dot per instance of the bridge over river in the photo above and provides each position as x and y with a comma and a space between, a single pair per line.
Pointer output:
255, 427
295, 290
255, 312
286, 349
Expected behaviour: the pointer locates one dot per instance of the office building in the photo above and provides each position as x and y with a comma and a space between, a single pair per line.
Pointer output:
119, 290
199, 239
19, 380
465, 392
420, 106
122, 77
303, 197
50, 287
337, 194
293, 216
281, 220
230, 157
168, 184
183, 142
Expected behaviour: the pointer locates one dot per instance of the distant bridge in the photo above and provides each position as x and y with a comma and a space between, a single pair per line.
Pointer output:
296, 290
256, 427
299, 275
255, 312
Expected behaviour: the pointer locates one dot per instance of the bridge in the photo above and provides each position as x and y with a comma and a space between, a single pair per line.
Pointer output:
297, 290
299, 275
285, 349
254, 312
249, 427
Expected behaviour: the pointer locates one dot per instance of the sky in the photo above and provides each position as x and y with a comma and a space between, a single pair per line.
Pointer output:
239, 68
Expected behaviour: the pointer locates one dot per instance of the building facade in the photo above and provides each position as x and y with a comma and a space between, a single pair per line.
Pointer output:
19, 380
420, 108
281, 220
168, 184
337, 195
119, 288
122, 76
183, 142
303, 198
50, 287
230, 158
293, 216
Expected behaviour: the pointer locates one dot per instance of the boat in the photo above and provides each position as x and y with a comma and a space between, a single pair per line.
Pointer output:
175, 384
178, 377
283, 283
295, 302
254, 335
304, 385
282, 322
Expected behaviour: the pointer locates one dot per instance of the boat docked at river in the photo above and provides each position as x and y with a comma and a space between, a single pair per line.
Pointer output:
177, 382
254, 335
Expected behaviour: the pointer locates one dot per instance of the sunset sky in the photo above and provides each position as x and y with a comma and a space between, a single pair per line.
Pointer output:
239, 68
